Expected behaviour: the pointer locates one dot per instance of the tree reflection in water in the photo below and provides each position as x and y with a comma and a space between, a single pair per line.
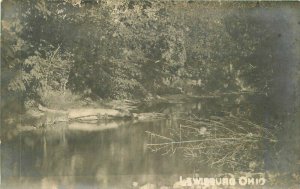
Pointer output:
234, 138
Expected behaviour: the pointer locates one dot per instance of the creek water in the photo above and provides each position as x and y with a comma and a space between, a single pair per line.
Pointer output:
114, 154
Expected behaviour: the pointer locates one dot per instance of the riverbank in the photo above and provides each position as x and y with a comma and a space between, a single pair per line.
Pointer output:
80, 146
65, 107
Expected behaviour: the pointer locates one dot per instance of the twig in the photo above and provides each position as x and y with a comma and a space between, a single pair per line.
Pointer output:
157, 135
203, 140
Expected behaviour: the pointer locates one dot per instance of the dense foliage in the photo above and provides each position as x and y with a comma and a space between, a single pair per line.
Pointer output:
132, 49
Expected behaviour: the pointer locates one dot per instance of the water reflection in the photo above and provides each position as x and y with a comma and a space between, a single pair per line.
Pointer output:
114, 154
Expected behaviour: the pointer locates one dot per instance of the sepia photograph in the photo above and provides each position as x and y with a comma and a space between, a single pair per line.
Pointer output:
150, 94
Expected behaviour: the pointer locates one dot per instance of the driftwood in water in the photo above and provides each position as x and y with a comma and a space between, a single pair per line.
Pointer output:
86, 113
90, 115
97, 114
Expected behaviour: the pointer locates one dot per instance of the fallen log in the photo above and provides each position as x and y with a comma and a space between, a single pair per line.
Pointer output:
80, 112
86, 113
97, 114
53, 116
